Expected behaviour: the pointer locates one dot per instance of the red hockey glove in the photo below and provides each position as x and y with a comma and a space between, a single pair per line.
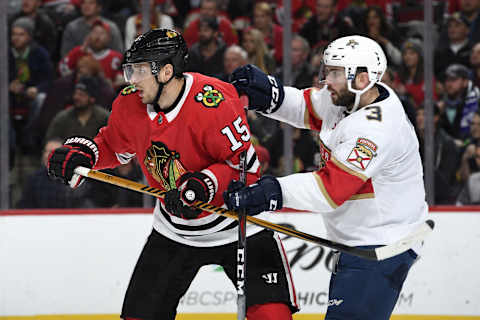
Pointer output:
191, 187
75, 152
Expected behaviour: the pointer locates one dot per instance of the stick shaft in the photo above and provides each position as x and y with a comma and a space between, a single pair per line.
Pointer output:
242, 249
135, 186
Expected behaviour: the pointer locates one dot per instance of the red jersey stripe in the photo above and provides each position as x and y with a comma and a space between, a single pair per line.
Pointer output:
312, 120
339, 183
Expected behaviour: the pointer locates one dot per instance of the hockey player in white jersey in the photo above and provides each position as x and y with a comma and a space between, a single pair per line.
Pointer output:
369, 188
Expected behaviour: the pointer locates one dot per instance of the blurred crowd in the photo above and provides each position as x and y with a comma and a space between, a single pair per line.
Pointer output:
65, 70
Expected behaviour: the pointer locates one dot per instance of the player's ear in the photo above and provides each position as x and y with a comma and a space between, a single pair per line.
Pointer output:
361, 80
168, 71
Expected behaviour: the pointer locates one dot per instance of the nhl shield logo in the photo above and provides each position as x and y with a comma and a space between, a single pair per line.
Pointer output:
209, 97
363, 153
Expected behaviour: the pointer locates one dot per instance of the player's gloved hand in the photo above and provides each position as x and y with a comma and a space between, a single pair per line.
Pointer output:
191, 187
75, 152
265, 93
264, 195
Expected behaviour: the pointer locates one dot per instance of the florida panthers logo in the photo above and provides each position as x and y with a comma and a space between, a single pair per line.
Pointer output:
164, 165
209, 97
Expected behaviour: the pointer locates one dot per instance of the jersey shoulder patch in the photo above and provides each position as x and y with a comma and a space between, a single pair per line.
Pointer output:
362, 153
209, 96
128, 90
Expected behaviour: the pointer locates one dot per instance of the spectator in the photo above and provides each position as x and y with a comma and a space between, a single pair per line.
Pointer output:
272, 32
446, 158
470, 9
87, 66
470, 194
388, 78
42, 192
77, 30
45, 32
208, 51
133, 26
475, 63
302, 72
119, 11
96, 44
258, 53
325, 25
456, 49
85, 118
209, 9
459, 103
375, 26
233, 58
468, 164
410, 76
30, 76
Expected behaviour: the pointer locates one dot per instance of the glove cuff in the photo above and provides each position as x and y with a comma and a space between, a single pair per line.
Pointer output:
86, 145
273, 192
196, 186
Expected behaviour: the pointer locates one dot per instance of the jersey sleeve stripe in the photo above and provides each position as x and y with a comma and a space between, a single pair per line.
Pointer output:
348, 170
324, 191
339, 185
311, 118
362, 196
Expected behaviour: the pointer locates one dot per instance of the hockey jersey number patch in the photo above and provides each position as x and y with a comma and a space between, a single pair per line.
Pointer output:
363, 153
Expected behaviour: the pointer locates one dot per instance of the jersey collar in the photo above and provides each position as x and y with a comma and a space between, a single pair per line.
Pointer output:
172, 114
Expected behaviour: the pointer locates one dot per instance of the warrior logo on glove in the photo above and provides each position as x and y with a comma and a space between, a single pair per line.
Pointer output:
164, 165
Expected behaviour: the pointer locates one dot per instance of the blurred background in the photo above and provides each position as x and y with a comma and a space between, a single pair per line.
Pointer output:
433, 51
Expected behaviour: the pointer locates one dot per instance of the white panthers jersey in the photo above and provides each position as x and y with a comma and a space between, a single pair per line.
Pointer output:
369, 187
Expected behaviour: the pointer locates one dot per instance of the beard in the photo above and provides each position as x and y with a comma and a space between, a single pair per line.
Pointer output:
344, 98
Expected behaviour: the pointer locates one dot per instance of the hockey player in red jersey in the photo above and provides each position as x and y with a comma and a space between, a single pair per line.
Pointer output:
187, 131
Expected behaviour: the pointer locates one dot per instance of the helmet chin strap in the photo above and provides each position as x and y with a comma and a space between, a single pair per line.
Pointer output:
358, 94
160, 88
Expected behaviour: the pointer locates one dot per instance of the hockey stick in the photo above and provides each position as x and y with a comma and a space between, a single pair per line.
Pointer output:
378, 254
242, 248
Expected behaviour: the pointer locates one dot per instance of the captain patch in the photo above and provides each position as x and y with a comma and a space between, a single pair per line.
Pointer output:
363, 153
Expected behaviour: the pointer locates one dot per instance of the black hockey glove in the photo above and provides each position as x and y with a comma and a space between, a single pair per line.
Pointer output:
191, 187
76, 151
264, 195
265, 93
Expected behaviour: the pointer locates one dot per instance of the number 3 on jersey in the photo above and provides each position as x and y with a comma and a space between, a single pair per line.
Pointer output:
241, 129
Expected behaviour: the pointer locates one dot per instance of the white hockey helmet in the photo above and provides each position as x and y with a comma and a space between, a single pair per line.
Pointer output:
354, 52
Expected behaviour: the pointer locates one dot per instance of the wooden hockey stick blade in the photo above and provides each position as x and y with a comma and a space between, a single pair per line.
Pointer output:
371, 254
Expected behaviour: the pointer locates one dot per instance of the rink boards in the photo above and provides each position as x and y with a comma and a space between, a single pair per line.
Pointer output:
76, 265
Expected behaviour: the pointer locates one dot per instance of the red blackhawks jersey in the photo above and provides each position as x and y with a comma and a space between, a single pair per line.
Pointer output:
110, 62
369, 188
206, 131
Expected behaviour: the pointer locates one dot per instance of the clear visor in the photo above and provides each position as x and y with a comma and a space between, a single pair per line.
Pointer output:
136, 72
333, 75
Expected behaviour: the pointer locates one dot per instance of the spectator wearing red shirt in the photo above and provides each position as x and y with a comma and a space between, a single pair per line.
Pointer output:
410, 76
96, 45
208, 9
272, 32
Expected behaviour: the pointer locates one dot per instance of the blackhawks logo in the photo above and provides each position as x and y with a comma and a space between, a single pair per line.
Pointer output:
128, 90
209, 97
164, 165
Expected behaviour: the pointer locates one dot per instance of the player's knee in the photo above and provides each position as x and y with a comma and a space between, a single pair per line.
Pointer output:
269, 311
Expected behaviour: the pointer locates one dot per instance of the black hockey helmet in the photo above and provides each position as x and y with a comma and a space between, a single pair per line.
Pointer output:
159, 47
